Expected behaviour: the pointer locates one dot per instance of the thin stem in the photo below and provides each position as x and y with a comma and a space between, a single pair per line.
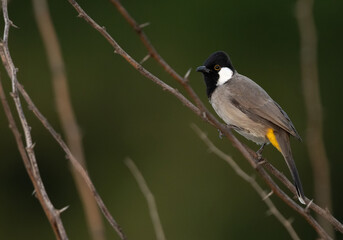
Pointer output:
156, 222
52, 214
30, 162
152, 52
76, 164
246, 152
314, 112
272, 208
66, 114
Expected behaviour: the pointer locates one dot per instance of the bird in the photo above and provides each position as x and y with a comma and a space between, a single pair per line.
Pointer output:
248, 109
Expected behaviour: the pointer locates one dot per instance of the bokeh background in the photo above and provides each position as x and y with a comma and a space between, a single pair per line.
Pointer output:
123, 114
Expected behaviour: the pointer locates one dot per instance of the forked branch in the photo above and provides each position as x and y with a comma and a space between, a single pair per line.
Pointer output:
153, 52
30, 160
202, 112
27, 152
73, 161
265, 197
66, 114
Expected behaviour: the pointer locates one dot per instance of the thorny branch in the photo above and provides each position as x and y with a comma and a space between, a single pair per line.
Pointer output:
31, 165
156, 222
311, 89
66, 114
73, 161
152, 52
52, 213
203, 113
266, 197
27, 153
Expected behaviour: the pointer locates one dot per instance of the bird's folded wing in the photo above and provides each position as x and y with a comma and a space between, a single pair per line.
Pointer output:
257, 104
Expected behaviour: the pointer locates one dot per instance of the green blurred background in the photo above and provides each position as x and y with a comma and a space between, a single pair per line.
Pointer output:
123, 114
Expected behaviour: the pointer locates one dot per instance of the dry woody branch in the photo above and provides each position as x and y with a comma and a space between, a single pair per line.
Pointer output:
202, 112
66, 114
53, 214
74, 150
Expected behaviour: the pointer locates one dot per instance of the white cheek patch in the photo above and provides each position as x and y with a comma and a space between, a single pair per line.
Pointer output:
225, 74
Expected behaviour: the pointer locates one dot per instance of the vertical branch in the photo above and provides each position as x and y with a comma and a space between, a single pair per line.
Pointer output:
27, 153
66, 113
311, 90
156, 222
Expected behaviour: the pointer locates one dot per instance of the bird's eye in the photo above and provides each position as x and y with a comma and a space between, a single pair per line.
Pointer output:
217, 67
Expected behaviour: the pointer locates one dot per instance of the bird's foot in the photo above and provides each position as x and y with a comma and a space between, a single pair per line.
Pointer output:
259, 152
220, 134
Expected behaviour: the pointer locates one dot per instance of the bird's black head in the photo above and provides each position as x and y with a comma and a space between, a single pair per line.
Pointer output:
217, 70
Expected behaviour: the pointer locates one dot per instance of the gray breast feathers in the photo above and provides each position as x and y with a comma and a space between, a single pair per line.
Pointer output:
253, 101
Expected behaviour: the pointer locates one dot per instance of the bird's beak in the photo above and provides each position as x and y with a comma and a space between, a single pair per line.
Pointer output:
203, 69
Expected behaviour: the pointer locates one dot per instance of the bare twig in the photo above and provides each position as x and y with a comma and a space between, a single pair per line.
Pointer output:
130, 60
156, 222
52, 214
322, 212
66, 114
30, 162
154, 54
314, 112
203, 113
73, 161
163, 63
272, 208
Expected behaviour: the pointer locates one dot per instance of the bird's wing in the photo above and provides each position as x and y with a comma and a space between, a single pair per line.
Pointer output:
250, 98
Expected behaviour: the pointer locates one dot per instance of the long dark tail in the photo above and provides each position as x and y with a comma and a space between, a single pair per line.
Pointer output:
282, 138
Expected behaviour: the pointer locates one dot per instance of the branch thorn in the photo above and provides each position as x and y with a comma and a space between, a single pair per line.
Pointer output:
143, 25
268, 195
261, 162
290, 221
327, 210
145, 58
187, 74
31, 147
13, 25
62, 209
220, 134
308, 206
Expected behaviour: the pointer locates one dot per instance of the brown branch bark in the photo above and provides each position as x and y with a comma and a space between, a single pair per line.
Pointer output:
314, 112
156, 222
76, 164
203, 113
27, 153
287, 223
325, 213
66, 114
152, 51
52, 214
